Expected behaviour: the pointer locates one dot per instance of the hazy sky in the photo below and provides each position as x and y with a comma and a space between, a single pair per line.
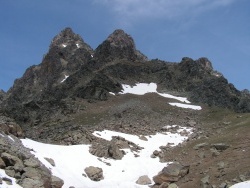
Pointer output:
164, 29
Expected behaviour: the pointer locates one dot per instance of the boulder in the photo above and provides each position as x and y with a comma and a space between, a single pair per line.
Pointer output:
114, 152
143, 180
8, 126
164, 185
56, 182
220, 146
51, 161
2, 163
31, 162
205, 182
11, 160
172, 173
94, 173
201, 145
31, 183
172, 185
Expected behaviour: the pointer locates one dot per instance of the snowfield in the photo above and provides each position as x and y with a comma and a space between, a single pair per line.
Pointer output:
70, 161
143, 88
245, 184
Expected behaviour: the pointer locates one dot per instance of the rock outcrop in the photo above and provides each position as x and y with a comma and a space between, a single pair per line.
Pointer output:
172, 173
19, 163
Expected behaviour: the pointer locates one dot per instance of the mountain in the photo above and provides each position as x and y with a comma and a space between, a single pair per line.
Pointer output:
76, 91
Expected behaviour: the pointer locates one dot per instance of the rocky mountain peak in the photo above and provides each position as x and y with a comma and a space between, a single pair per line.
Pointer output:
121, 39
119, 45
67, 38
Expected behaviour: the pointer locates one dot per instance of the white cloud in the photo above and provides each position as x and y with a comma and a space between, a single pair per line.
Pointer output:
138, 10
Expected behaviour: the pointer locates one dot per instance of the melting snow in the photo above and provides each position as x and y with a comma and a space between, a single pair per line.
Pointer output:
77, 45
194, 107
143, 88
70, 161
64, 45
65, 77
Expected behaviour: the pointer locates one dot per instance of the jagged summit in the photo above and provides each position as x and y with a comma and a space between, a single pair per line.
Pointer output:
68, 38
121, 39
119, 45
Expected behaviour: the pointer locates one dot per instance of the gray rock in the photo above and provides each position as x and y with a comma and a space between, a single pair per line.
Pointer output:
215, 152
2, 163
220, 146
221, 165
14, 161
172, 185
143, 180
10, 173
205, 182
51, 161
164, 185
31, 162
31, 183
7, 180
223, 185
143, 138
32, 173
201, 145
94, 173
114, 151
171, 173
56, 182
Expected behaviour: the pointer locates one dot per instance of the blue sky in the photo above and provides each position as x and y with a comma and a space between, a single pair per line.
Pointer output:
164, 29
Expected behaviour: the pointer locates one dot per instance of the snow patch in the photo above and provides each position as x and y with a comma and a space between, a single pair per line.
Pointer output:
70, 161
194, 107
245, 184
4, 184
77, 45
64, 45
65, 77
11, 138
143, 88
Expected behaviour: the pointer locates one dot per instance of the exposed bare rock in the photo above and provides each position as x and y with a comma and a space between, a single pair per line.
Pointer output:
118, 45
143, 180
51, 161
220, 146
9, 126
56, 182
172, 173
2, 163
94, 173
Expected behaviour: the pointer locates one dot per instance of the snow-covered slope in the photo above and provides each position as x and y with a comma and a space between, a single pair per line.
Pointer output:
70, 161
